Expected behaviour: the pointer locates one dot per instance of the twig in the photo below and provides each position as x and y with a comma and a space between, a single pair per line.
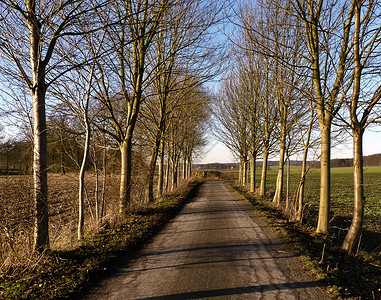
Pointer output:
322, 255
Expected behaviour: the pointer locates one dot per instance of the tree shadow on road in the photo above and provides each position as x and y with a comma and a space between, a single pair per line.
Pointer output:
238, 291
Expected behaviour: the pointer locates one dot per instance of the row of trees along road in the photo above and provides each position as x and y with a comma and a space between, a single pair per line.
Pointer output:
298, 70
115, 74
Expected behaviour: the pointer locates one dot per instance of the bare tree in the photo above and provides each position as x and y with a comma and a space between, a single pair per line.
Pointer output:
187, 131
247, 74
305, 137
364, 95
48, 26
327, 28
232, 128
267, 116
179, 50
75, 92
272, 37
124, 75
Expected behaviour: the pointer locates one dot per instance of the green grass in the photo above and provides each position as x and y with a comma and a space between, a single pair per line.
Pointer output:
337, 269
341, 191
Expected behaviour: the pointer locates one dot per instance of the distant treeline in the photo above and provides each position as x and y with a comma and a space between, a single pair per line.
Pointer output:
64, 155
370, 160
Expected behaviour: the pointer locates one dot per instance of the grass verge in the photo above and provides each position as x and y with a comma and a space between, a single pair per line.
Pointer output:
356, 276
65, 274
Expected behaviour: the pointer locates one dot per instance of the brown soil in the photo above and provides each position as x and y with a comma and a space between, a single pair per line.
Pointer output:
70, 266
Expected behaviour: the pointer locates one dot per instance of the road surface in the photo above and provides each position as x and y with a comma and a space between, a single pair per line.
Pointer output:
216, 248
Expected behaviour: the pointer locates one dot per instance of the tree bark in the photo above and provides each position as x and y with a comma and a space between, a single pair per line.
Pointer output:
325, 180
174, 164
161, 169
279, 181
184, 175
37, 89
189, 167
41, 224
125, 176
104, 179
359, 199
300, 193
96, 192
357, 131
262, 191
240, 170
244, 172
288, 183
168, 169
81, 179
151, 172
252, 171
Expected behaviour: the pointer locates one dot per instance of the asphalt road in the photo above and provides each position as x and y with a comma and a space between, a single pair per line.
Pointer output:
215, 248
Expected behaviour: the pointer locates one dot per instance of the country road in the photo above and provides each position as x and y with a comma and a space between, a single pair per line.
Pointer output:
215, 248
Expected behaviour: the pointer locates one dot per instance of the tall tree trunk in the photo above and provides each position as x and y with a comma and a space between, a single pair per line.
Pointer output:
96, 192
326, 107
243, 180
38, 92
262, 191
184, 175
189, 167
253, 158
325, 180
104, 180
359, 200
288, 183
161, 169
300, 193
81, 179
151, 172
244, 172
240, 174
133, 100
279, 181
41, 223
174, 164
168, 169
125, 176
358, 128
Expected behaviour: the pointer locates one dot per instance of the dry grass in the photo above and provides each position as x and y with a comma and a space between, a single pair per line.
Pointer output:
16, 215
71, 266
17, 208
16, 234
